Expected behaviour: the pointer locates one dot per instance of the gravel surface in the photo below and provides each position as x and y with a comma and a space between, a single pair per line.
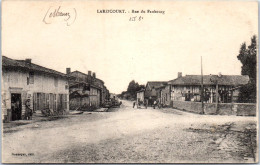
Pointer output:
127, 135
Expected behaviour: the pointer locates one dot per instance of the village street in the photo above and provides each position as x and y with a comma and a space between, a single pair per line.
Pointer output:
130, 135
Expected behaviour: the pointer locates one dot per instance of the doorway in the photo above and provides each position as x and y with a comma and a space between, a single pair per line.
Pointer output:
16, 105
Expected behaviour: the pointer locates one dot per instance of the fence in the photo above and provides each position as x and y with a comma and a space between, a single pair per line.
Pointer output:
237, 109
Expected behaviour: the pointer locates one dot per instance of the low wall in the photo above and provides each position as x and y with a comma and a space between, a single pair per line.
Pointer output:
246, 109
237, 109
188, 106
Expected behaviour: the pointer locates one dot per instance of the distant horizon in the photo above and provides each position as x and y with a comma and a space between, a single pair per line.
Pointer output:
129, 81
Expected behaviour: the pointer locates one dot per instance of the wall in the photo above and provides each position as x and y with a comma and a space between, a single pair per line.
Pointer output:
93, 98
80, 103
15, 81
75, 103
188, 106
237, 109
166, 97
179, 93
140, 96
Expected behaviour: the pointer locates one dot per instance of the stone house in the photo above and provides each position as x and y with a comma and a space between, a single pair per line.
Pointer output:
86, 91
152, 90
165, 96
105, 94
188, 88
28, 85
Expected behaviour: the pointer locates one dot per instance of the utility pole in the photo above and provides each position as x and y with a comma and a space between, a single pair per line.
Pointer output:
202, 88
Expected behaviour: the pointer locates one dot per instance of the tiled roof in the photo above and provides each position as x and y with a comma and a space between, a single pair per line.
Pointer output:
76, 71
141, 90
234, 80
8, 62
157, 84
75, 83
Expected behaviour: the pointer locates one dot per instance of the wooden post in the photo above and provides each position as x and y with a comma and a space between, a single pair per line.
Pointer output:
216, 97
232, 96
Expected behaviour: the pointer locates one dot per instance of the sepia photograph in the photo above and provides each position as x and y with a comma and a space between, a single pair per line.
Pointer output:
115, 81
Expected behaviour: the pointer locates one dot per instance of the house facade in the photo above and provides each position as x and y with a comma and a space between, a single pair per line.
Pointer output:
166, 95
105, 94
140, 95
152, 90
27, 85
86, 91
188, 88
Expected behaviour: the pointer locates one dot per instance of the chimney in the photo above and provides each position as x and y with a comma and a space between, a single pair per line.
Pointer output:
28, 61
179, 74
94, 74
89, 73
68, 71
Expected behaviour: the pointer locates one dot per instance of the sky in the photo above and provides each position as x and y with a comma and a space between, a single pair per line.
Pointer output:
155, 48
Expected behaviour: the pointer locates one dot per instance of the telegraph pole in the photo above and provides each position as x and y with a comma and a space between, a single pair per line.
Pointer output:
202, 88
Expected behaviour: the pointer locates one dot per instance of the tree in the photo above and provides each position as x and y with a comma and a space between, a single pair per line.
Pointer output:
247, 56
132, 88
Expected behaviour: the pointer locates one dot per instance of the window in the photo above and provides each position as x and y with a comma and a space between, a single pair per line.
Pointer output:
44, 101
65, 101
59, 102
86, 88
34, 102
51, 102
38, 101
55, 101
31, 77
41, 101
55, 81
47, 105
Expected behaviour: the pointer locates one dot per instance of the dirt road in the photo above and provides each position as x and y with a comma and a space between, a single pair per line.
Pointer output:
127, 135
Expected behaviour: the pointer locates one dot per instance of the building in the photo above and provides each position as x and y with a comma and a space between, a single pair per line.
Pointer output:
105, 94
24, 82
140, 95
188, 88
152, 90
165, 96
87, 92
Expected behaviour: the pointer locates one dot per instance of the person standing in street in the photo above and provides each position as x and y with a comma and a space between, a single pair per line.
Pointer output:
134, 104
154, 104
28, 110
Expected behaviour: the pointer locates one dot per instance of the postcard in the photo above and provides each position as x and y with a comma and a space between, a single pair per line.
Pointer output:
114, 81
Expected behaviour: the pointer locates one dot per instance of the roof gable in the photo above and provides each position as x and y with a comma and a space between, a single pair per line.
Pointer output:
74, 73
156, 84
8, 62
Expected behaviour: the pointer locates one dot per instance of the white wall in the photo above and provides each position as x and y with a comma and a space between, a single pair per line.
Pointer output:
16, 82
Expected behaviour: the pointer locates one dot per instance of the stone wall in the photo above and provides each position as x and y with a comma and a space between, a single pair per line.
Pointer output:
246, 109
237, 109
189, 106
